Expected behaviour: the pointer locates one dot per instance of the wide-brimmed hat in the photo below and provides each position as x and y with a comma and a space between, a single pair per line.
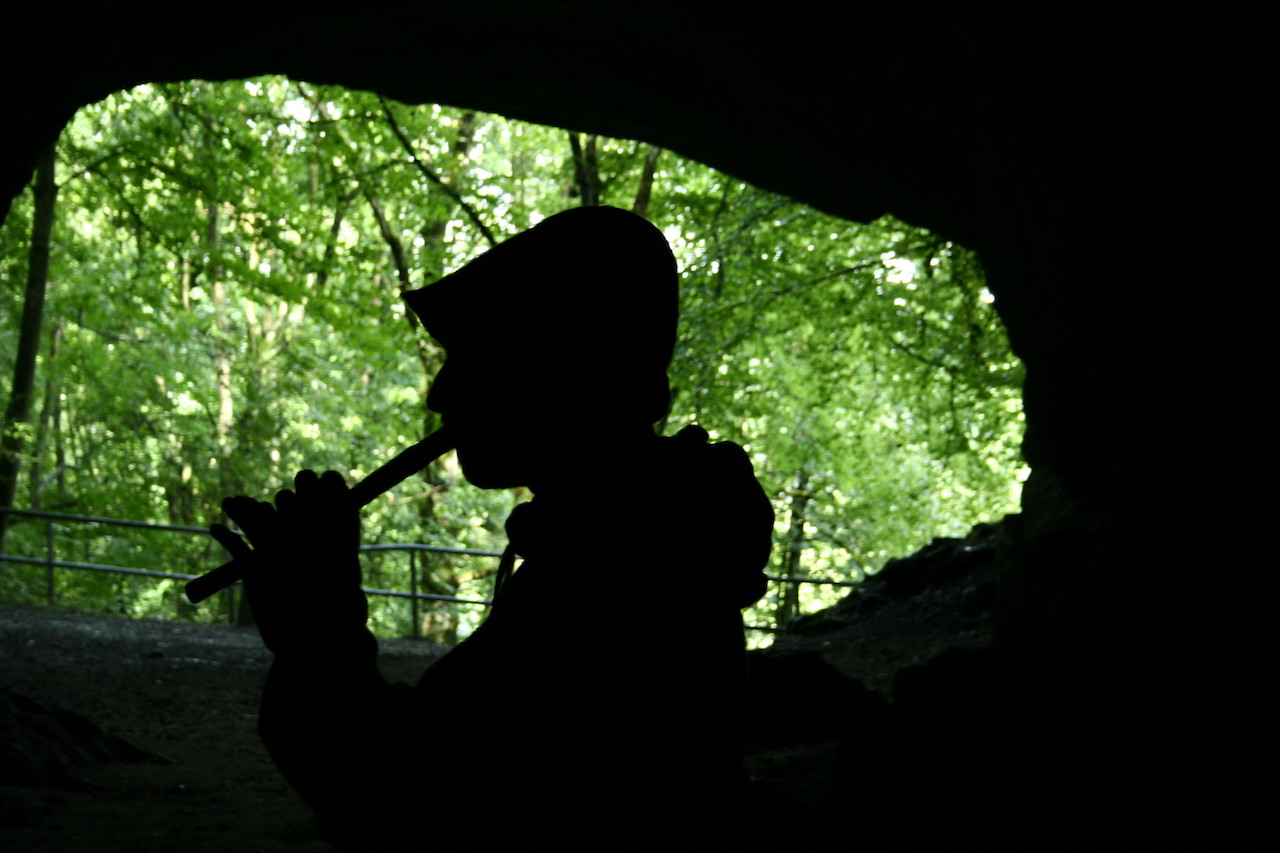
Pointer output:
595, 282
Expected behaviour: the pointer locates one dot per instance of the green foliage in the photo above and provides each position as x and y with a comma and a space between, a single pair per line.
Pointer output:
224, 310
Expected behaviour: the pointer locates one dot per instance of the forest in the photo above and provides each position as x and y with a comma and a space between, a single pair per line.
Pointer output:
221, 308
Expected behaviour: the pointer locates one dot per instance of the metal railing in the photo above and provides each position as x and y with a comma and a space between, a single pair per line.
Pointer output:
51, 562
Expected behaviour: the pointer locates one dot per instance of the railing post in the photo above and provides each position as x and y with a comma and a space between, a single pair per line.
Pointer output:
48, 556
413, 593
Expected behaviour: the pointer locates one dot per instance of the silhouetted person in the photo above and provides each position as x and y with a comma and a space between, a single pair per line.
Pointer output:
599, 703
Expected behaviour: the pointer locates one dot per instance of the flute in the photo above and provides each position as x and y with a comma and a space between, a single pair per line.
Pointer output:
405, 464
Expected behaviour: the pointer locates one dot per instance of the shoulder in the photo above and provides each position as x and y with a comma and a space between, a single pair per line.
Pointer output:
692, 446
722, 468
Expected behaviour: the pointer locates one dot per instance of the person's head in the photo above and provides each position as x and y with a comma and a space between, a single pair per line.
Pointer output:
567, 327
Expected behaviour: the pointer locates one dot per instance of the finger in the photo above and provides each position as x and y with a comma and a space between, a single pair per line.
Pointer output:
332, 483
305, 481
286, 500
235, 545
252, 516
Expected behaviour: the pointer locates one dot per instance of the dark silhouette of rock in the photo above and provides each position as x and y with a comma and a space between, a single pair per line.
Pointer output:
43, 746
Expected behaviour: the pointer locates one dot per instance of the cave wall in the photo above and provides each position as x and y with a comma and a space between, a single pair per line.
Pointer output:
1023, 137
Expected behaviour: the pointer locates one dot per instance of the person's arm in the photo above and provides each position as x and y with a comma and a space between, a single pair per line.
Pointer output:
324, 697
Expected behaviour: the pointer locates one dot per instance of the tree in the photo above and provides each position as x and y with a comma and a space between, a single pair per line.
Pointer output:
233, 255
16, 424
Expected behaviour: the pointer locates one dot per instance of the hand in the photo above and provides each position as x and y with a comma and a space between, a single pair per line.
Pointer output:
302, 572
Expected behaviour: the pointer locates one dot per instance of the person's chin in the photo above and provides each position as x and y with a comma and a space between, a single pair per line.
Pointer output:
485, 480
485, 472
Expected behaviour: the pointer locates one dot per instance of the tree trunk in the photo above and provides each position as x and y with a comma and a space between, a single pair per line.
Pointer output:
18, 412
789, 601
586, 169
641, 207
228, 479
39, 481
222, 358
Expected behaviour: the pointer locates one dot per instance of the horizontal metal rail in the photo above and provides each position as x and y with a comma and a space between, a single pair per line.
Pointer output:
93, 567
180, 528
152, 573
413, 595
392, 593
408, 546
819, 581
95, 519
435, 549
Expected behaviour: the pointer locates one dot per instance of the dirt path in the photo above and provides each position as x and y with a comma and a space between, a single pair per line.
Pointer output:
186, 692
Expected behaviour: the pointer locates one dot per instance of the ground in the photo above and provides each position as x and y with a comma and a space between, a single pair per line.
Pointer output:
184, 692
188, 694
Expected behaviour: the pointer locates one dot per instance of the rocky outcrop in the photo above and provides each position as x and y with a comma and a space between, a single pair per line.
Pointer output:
44, 746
